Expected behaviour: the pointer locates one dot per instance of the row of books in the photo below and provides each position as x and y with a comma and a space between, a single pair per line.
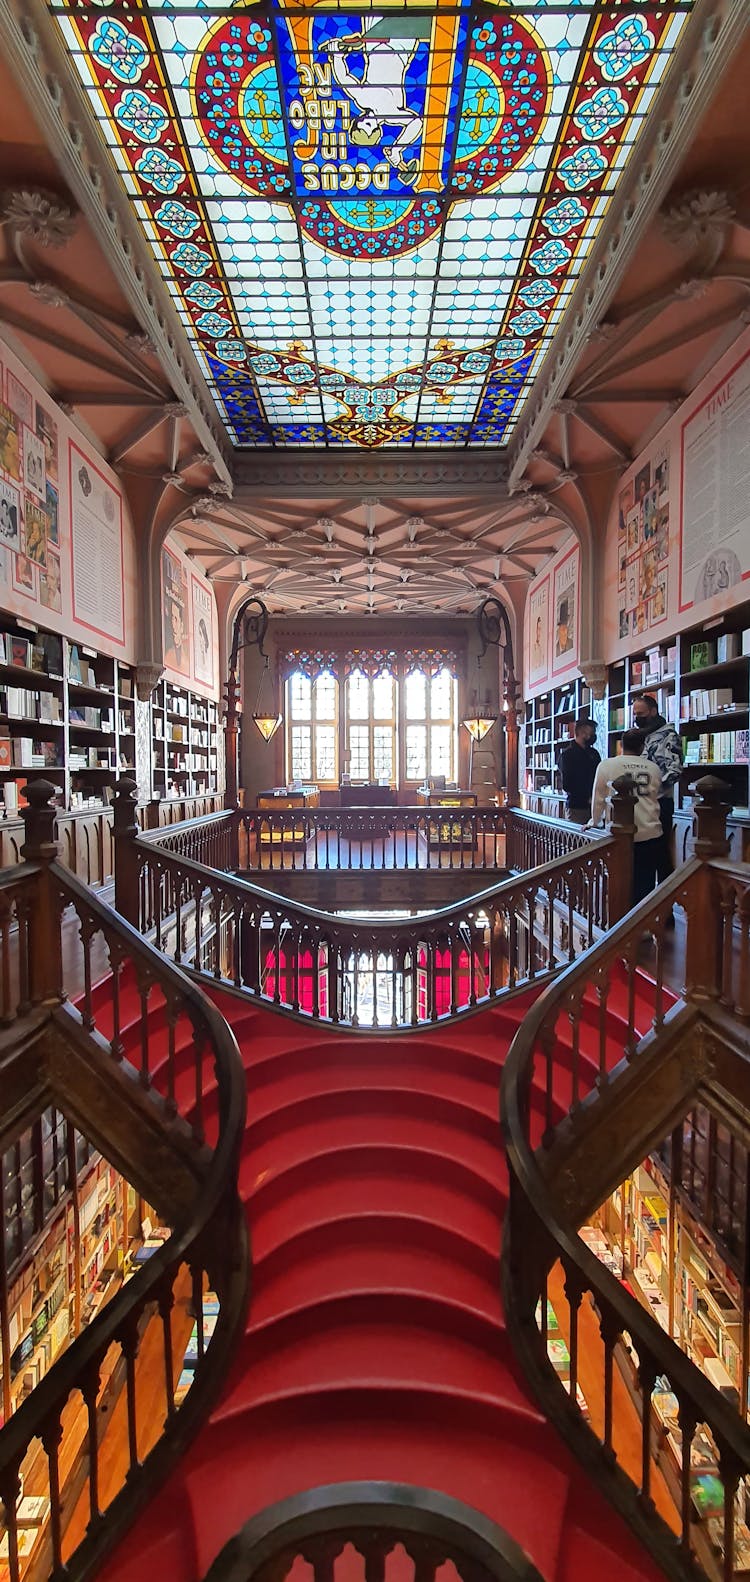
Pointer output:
43, 653
26, 752
94, 719
31, 703
718, 650
656, 667
717, 747
708, 700
210, 1316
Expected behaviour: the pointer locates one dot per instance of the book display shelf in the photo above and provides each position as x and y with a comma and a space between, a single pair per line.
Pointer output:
66, 1217
67, 713
675, 1232
550, 719
184, 742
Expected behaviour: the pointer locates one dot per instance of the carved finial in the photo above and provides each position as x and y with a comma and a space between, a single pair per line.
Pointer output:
42, 216
147, 677
140, 341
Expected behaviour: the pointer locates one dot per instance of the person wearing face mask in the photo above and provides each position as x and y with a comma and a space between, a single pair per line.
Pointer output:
578, 766
662, 748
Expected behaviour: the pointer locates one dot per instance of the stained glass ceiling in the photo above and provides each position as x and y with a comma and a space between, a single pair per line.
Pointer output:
371, 219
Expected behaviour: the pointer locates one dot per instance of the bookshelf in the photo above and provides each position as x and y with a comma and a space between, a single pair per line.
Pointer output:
550, 719
184, 742
67, 713
66, 1215
714, 706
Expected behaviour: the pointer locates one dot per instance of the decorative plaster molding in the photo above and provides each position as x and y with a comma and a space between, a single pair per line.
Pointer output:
141, 342
698, 224
50, 295
421, 473
595, 672
50, 85
703, 53
147, 676
43, 217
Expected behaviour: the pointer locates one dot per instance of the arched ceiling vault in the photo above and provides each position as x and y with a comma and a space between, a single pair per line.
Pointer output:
412, 535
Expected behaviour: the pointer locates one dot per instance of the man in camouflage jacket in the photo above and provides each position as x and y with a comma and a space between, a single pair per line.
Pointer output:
662, 748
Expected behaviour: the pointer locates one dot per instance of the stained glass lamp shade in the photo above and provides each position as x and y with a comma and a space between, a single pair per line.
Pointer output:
370, 219
479, 724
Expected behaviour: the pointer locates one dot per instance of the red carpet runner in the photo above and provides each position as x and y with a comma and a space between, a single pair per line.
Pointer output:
375, 1186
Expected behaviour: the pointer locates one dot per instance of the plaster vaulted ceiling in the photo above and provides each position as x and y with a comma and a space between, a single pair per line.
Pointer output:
391, 528
371, 219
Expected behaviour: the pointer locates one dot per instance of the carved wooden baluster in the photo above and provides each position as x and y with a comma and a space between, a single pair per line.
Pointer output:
90, 1390
317, 961
197, 890
512, 938
295, 937
547, 1044
574, 1018
730, 1470
51, 1436
574, 1297
86, 931
334, 980
374, 1549
166, 1303
196, 1307
200, 1039
727, 907
647, 1371
116, 962
128, 1341
602, 993
173, 1016
10, 1491
631, 1041
177, 952
610, 1330
144, 991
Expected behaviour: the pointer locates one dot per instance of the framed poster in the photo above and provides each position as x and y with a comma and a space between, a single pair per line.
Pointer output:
19, 399
175, 615
34, 466
203, 646
715, 536
565, 634
539, 633
96, 548
10, 515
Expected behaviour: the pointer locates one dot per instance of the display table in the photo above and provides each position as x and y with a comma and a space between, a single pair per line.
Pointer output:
282, 799
450, 830
367, 795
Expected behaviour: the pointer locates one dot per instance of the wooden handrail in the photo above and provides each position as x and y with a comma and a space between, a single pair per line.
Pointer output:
504, 937
374, 1518
210, 1240
715, 893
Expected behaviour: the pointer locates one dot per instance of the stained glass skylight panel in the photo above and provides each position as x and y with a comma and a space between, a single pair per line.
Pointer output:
370, 220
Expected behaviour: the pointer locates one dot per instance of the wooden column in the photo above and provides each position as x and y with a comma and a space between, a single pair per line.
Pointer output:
41, 847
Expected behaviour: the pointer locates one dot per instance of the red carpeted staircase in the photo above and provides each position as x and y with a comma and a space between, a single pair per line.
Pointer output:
375, 1184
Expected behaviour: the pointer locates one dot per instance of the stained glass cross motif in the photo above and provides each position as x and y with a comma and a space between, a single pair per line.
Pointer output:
371, 220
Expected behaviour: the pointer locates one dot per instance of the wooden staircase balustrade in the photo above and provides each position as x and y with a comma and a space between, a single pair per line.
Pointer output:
371, 840
375, 1519
385, 973
148, 1124
598, 1126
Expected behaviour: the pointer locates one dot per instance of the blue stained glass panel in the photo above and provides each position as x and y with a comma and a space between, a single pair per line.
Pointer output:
370, 222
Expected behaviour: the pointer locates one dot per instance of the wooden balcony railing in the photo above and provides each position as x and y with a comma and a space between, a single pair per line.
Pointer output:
131, 1067
596, 1123
376, 1519
305, 840
390, 972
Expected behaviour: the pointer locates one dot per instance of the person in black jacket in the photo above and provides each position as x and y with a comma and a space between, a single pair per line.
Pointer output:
578, 766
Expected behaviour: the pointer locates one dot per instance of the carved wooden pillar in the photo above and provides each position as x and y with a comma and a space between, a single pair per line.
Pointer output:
41, 847
622, 831
231, 737
511, 730
126, 861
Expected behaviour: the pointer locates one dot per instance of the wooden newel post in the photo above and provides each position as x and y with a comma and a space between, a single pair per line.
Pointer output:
622, 831
40, 846
710, 821
125, 833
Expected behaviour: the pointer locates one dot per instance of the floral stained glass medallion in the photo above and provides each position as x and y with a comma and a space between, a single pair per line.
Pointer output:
371, 220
